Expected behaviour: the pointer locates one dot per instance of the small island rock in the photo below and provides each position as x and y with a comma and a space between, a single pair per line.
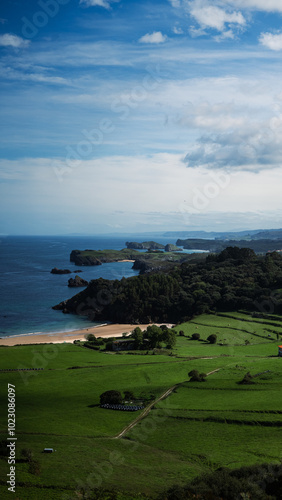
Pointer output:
77, 281
55, 270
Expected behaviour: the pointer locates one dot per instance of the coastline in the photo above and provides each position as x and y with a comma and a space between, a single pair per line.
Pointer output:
104, 331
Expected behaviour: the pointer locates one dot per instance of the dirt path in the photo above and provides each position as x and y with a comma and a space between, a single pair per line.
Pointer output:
217, 370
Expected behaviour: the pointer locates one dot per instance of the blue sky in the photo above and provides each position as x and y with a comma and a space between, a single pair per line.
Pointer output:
134, 116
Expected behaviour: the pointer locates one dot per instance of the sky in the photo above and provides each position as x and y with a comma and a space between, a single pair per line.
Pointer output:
140, 116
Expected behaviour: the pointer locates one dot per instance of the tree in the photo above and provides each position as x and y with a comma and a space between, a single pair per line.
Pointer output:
90, 337
169, 337
196, 336
181, 333
111, 397
137, 335
212, 338
154, 335
195, 376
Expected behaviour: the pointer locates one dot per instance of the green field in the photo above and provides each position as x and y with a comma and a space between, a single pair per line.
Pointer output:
198, 427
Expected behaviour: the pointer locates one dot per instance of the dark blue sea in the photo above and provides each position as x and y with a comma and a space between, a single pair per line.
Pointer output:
28, 289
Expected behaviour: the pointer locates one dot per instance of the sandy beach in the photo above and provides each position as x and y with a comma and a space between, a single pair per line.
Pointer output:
104, 331
126, 260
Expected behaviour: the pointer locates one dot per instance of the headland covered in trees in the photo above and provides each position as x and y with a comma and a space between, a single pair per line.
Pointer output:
236, 278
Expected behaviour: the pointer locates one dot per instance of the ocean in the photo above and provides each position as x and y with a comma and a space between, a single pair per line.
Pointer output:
28, 289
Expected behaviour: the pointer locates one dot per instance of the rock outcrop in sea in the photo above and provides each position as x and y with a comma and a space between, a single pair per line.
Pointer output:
55, 270
77, 281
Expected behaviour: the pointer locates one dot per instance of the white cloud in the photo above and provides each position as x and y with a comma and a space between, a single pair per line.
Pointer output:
175, 3
14, 74
177, 30
195, 32
224, 16
225, 35
9, 40
216, 18
155, 37
213, 116
263, 5
271, 41
98, 3
257, 150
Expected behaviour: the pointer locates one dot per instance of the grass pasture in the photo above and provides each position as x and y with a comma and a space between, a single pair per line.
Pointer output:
198, 427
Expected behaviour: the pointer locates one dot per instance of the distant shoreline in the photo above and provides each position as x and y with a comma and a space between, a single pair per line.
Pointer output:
104, 331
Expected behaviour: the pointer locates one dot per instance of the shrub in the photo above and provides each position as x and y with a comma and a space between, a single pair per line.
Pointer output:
196, 336
195, 376
111, 397
247, 379
109, 346
91, 345
212, 338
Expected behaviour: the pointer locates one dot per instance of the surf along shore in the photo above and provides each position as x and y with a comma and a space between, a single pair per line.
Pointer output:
104, 331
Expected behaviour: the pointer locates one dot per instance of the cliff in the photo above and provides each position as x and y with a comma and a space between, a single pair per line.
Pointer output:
172, 248
146, 245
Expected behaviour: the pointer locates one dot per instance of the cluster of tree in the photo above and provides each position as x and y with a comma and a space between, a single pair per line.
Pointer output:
195, 376
115, 397
234, 279
153, 337
258, 482
93, 343
211, 338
